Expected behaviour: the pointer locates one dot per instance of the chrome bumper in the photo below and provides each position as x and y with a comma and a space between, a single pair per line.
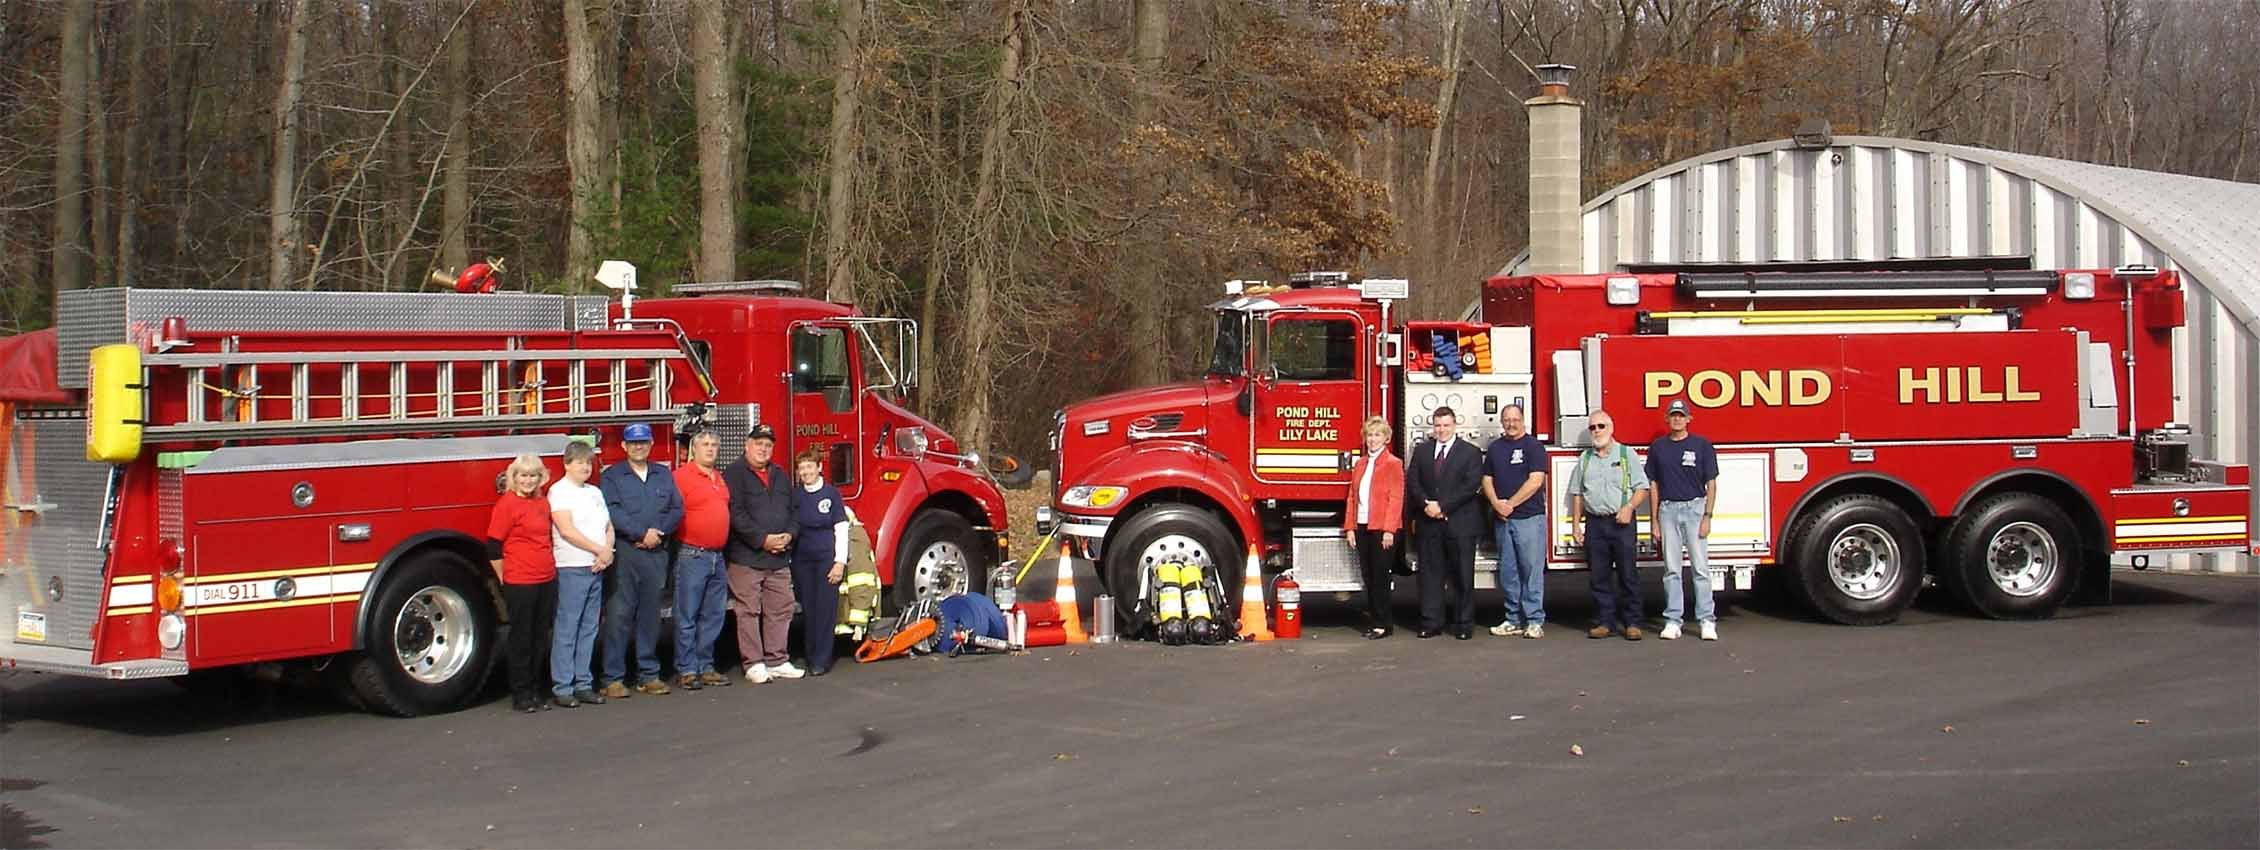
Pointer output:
79, 662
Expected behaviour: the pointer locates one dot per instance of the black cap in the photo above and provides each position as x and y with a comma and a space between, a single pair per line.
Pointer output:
761, 432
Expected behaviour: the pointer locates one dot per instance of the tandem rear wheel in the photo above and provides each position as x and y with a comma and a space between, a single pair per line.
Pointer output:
431, 641
1858, 560
2015, 556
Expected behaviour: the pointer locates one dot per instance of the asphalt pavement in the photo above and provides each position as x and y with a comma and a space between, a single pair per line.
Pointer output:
2129, 725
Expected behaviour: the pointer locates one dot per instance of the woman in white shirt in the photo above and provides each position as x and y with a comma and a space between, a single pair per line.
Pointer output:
582, 540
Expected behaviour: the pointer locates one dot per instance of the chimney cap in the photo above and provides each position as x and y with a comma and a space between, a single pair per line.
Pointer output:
1555, 74
1813, 135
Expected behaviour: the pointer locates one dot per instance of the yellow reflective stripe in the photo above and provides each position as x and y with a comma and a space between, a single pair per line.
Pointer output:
294, 571
132, 579
860, 580
261, 606
2181, 519
2138, 541
120, 612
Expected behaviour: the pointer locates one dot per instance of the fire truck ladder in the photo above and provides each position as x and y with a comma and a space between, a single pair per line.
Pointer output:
1847, 320
512, 391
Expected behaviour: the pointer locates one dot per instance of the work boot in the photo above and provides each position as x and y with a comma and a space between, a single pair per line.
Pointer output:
1632, 633
688, 682
564, 701
712, 678
654, 687
589, 697
615, 690
1598, 632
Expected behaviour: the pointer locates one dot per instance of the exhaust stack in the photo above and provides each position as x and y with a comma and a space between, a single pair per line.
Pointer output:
1557, 126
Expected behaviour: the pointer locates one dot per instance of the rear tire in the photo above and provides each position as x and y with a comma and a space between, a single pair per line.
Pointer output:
2014, 556
940, 555
1171, 531
432, 641
1859, 560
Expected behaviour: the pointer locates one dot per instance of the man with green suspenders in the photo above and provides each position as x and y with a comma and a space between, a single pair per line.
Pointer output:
1605, 490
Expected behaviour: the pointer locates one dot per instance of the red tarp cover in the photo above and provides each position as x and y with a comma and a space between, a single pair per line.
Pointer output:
27, 369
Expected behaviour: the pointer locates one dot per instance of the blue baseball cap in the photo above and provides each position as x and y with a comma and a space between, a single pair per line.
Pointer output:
636, 432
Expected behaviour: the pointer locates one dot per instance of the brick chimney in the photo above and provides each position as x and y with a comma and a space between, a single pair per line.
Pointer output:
1557, 125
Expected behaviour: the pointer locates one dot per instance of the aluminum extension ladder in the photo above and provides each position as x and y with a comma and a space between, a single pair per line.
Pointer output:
600, 387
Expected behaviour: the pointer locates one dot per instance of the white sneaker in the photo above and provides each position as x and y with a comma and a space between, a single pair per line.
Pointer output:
786, 671
757, 673
1506, 630
1535, 631
1710, 630
1670, 632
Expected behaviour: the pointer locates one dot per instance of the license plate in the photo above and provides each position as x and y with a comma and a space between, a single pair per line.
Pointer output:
31, 625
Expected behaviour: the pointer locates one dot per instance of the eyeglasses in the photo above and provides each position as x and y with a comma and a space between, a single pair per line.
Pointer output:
1597, 427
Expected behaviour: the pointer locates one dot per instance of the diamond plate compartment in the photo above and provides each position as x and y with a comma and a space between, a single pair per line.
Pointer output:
88, 318
49, 563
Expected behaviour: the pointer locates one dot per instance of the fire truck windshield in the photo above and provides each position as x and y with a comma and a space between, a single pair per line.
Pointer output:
1229, 356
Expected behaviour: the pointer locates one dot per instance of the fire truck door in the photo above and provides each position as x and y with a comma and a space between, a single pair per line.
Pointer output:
827, 389
259, 587
1310, 398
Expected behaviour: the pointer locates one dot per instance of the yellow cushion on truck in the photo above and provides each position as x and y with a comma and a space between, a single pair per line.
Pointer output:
113, 404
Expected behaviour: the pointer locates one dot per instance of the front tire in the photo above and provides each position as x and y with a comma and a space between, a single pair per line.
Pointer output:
2015, 557
1859, 560
940, 555
1158, 535
431, 642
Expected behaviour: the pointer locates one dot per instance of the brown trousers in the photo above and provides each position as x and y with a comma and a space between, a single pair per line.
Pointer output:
763, 601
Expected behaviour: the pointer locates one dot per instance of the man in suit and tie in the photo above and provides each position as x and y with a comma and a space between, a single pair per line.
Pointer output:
1442, 484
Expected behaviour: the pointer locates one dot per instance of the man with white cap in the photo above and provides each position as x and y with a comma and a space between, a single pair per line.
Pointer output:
1685, 468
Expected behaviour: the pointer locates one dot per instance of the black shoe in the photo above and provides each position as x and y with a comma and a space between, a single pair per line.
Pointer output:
523, 705
565, 702
1425, 634
588, 696
1464, 632
819, 671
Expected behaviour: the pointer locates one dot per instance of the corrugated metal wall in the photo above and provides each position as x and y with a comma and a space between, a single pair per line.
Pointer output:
1867, 198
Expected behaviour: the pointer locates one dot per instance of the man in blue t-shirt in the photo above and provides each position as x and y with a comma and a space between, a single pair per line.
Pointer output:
1686, 470
1514, 483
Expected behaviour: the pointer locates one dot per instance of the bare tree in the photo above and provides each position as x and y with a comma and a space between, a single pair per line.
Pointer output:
282, 175
985, 259
131, 180
70, 147
1145, 281
590, 133
713, 54
1431, 236
455, 182
845, 148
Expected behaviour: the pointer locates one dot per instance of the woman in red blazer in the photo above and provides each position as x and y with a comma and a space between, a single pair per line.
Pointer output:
1371, 520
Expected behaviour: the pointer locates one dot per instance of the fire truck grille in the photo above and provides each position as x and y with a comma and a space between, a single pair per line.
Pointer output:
49, 564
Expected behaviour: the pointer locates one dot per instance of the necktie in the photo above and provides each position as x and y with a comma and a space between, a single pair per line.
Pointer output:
1441, 448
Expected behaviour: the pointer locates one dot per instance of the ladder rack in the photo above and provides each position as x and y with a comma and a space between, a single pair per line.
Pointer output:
267, 394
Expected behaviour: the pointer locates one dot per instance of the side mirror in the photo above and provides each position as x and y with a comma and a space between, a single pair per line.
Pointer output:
906, 353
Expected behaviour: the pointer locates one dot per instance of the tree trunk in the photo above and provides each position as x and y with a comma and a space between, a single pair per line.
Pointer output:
133, 172
70, 147
984, 252
1431, 225
713, 77
842, 154
99, 190
455, 179
589, 49
1148, 281
282, 173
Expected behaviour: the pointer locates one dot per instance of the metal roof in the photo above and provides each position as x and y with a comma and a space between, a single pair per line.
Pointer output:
1873, 197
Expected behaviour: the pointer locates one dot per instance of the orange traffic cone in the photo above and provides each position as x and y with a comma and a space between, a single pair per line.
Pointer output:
1252, 626
1063, 592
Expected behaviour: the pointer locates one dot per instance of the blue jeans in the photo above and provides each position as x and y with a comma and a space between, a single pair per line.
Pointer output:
631, 612
702, 593
1679, 524
1522, 568
1612, 551
580, 600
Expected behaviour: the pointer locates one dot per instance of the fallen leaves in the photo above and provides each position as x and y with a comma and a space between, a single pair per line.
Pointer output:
1062, 756
1475, 810
1577, 750
2142, 721
1948, 728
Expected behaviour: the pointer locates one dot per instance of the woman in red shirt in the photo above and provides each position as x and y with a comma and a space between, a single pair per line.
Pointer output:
1371, 520
518, 539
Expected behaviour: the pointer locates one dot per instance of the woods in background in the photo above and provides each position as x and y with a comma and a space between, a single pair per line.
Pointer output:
1052, 187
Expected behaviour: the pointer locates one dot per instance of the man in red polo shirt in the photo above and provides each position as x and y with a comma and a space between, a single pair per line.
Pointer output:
701, 586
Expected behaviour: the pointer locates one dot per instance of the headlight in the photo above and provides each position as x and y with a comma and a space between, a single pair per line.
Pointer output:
972, 461
910, 442
1092, 497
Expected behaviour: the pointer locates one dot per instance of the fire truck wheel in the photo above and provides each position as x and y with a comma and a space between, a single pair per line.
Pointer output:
2015, 556
939, 556
1161, 534
432, 641
1859, 560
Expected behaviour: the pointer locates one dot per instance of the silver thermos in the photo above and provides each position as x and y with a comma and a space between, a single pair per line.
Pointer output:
1102, 619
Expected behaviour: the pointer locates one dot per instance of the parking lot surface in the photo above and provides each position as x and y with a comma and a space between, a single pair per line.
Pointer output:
2136, 724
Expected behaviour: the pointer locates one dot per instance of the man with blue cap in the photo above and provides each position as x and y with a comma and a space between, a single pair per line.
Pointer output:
646, 509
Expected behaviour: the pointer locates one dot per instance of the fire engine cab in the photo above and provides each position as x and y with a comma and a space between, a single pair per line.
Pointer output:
298, 483
2004, 433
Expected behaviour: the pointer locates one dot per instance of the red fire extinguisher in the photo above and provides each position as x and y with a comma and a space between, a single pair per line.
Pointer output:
1289, 617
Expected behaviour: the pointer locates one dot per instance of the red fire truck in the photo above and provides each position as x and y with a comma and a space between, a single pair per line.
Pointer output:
2004, 433
293, 483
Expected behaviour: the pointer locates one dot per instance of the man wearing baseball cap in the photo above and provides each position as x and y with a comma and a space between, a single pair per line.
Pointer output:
646, 509
1686, 470
760, 551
